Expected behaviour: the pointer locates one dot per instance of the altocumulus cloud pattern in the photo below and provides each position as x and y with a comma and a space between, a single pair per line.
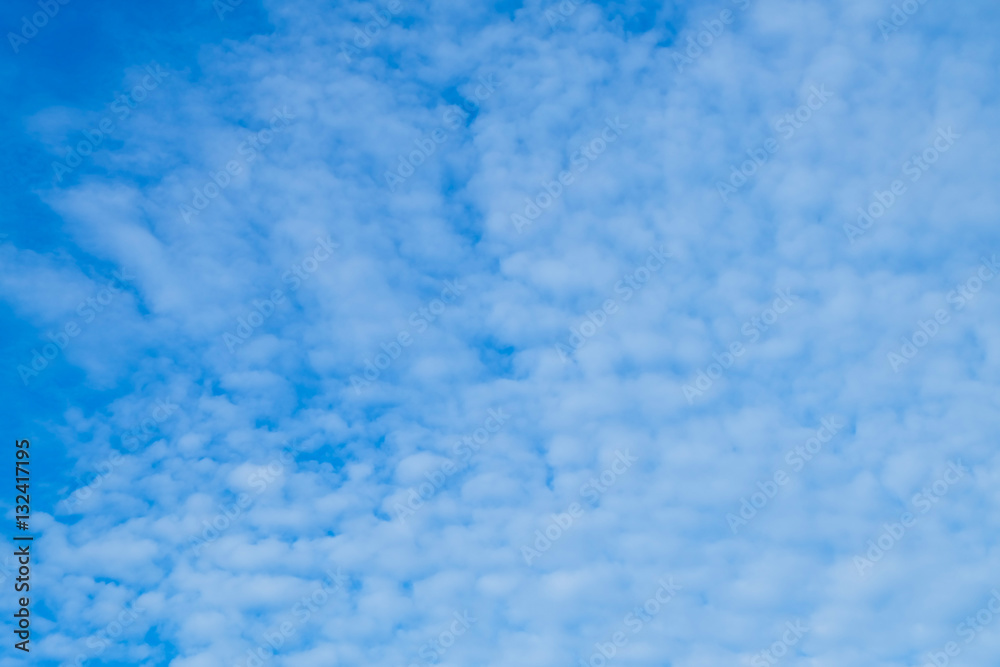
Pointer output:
541, 333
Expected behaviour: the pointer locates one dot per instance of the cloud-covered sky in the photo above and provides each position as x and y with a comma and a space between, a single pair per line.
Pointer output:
542, 333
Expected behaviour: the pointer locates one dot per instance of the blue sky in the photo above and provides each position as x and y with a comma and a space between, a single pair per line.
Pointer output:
543, 333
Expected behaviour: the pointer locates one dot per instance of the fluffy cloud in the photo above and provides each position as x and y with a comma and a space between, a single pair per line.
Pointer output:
247, 196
